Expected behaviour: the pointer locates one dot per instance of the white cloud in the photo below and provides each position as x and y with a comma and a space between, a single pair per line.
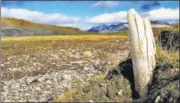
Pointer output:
80, 25
163, 14
39, 17
121, 16
107, 4
109, 17
85, 23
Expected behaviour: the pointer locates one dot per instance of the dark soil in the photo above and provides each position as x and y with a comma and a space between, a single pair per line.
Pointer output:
164, 86
169, 40
125, 69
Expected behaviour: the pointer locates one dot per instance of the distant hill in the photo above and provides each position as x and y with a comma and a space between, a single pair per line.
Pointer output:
12, 26
102, 28
165, 22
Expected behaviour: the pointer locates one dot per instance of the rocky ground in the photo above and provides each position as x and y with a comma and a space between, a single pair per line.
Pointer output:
90, 70
42, 70
118, 84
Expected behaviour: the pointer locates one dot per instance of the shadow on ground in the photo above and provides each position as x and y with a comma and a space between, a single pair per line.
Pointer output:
164, 86
118, 85
125, 68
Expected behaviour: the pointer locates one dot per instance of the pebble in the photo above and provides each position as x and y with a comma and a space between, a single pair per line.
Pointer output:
67, 77
91, 101
157, 99
120, 92
40, 88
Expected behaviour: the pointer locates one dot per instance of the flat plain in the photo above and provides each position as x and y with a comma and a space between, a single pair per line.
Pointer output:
38, 68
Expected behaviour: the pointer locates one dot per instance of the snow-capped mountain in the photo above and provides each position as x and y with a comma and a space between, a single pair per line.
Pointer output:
99, 28
111, 28
165, 22
102, 28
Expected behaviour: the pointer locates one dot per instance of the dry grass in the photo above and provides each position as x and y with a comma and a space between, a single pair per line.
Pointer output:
77, 94
41, 48
41, 42
67, 37
168, 57
165, 56
51, 52
66, 97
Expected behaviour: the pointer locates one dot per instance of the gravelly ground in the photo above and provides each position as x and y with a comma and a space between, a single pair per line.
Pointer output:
42, 70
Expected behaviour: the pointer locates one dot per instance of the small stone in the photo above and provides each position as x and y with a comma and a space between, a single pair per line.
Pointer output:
49, 82
176, 69
88, 53
67, 77
157, 99
50, 99
86, 68
120, 92
38, 88
29, 80
102, 84
91, 101
41, 79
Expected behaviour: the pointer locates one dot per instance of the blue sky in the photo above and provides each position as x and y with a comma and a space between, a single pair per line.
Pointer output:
84, 14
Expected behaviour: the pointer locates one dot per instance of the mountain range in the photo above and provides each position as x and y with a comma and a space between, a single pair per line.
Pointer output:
102, 28
15, 27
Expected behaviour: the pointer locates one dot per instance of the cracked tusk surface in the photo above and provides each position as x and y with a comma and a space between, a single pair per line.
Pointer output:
142, 50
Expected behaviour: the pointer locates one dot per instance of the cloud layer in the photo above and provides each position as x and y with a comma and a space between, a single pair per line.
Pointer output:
109, 17
163, 14
86, 22
105, 4
38, 17
121, 16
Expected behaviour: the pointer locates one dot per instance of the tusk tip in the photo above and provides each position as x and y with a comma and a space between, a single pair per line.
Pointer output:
132, 10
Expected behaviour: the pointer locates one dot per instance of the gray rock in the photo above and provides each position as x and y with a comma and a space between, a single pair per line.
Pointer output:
29, 80
120, 92
157, 99
67, 77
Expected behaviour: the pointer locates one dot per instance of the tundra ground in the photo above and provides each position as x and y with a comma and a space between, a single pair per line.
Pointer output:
39, 68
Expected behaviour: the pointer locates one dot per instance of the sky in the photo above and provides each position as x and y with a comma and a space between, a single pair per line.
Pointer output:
85, 14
